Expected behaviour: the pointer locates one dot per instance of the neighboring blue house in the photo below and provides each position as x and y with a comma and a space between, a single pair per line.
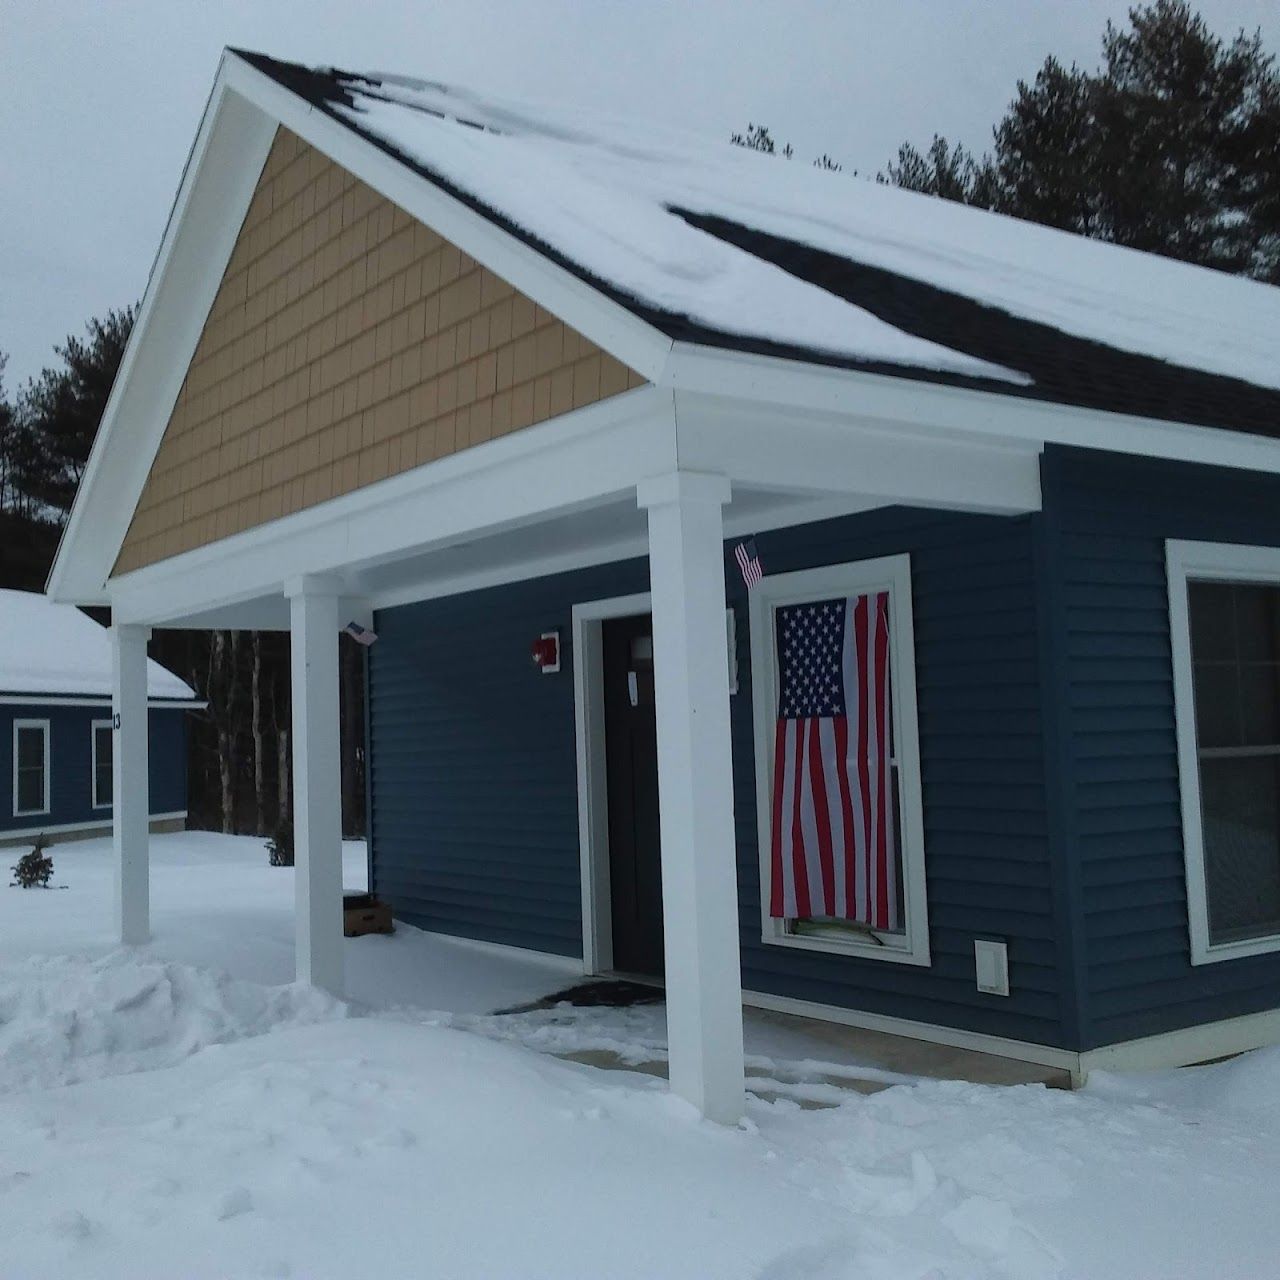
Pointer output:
990, 752
55, 726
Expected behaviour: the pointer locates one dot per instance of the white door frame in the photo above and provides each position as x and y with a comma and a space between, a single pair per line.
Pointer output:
593, 789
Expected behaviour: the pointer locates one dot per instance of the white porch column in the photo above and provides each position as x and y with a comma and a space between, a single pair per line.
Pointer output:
317, 783
130, 791
695, 789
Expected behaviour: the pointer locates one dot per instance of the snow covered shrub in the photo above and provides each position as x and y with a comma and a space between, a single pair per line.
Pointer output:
33, 869
280, 846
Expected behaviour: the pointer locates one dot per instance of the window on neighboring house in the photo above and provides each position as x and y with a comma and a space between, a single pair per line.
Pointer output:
102, 743
30, 767
1225, 610
838, 761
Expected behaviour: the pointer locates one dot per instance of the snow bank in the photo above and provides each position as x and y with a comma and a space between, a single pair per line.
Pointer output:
1247, 1087
64, 1019
289, 1135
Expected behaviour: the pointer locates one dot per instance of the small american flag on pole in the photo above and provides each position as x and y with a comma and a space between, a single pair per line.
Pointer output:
834, 851
361, 635
748, 559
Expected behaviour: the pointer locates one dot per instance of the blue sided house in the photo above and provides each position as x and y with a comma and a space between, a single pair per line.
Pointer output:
789, 589
56, 737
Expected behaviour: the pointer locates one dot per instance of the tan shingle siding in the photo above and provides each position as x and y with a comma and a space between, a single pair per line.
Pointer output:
347, 343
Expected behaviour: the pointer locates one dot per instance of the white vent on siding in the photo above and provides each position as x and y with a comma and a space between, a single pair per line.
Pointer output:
991, 960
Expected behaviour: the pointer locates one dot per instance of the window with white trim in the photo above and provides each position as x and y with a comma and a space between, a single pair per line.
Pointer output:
30, 767
102, 755
1225, 632
838, 761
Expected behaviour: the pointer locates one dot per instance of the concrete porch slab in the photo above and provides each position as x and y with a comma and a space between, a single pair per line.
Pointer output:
809, 1061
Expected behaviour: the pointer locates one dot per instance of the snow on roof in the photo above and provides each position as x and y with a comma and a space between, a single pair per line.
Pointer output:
608, 195
48, 648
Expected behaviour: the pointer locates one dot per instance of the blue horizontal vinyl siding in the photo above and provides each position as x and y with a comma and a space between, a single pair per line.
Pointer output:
473, 774
472, 764
1123, 821
71, 763
987, 861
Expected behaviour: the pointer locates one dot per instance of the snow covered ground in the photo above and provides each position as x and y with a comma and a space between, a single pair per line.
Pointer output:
180, 1111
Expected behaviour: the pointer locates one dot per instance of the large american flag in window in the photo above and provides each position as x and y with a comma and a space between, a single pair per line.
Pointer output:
833, 827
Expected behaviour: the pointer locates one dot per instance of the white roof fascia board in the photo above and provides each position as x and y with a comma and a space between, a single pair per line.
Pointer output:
607, 323
753, 379
567, 464
217, 185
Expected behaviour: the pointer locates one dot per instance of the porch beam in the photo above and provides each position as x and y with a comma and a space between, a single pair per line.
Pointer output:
807, 453
130, 790
317, 781
695, 787
587, 458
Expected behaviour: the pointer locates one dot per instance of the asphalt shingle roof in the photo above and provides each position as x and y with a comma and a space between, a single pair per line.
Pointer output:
1026, 354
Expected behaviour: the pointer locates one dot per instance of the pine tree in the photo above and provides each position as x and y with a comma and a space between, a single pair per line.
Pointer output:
1170, 146
61, 409
1180, 116
758, 138
1047, 165
945, 170
8, 436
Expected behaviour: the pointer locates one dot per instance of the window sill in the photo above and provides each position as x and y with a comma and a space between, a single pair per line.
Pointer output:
852, 949
31, 813
1202, 953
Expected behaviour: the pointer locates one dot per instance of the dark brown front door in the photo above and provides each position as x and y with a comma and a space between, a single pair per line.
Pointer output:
631, 748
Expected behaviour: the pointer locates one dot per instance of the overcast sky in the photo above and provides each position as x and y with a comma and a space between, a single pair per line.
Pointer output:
99, 101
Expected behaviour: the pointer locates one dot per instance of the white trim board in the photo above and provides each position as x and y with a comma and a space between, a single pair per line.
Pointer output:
583, 458
1187, 1046
1204, 562
98, 824
94, 727
217, 185
19, 724
1021, 1050
891, 573
593, 798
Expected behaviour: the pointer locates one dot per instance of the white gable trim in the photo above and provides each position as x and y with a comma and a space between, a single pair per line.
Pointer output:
222, 171
221, 174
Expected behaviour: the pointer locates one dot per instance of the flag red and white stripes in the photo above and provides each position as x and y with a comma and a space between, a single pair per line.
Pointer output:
834, 851
748, 559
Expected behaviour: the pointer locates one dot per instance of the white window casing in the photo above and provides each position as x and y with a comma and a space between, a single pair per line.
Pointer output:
1187, 562
42, 727
95, 796
888, 573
